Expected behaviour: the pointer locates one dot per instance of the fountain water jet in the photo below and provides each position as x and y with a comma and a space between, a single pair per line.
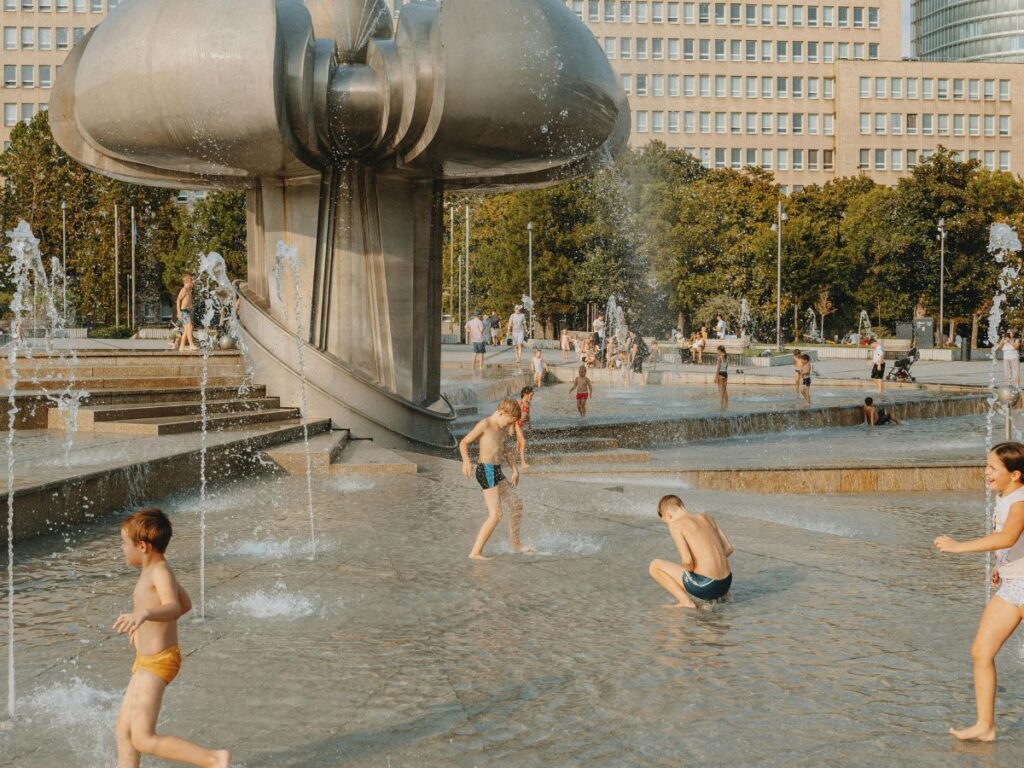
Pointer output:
288, 258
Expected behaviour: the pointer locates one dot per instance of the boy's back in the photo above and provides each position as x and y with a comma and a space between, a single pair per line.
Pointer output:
704, 541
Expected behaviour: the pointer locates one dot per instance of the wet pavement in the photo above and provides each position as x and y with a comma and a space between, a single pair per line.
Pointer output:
845, 642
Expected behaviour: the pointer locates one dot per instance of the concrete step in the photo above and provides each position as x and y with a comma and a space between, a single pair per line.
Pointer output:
174, 425
324, 450
569, 445
553, 461
362, 457
120, 383
91, 415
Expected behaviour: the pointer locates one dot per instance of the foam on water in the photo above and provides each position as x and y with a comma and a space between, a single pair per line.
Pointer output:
275, 604
80, 713
348, 484
273, 549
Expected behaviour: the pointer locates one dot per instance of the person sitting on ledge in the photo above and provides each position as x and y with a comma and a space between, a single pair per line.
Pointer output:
876, 417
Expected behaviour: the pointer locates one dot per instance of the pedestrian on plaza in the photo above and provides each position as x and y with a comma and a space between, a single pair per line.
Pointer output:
877, 363
797, 365
1010, 345
475, 332
516, 328
722, 377
565, 346
720, 327
184, 307
495, 329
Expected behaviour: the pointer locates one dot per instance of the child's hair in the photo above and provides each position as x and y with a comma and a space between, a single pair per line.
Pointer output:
149, 526
869, 401
1012, 456
721, 348
536, 352
796, 353
805, 358
525, 391
583, 370
668, 501
511, 407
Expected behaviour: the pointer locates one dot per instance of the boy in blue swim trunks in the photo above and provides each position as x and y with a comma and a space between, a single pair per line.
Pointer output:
493, 436
704, 550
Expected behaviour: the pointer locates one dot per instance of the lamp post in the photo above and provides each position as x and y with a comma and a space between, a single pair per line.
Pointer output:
64, 254
942, 279
777, 229
465, 305
456, 319
529, 291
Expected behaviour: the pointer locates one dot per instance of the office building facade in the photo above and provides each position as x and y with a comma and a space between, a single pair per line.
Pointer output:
809, 92
969, 30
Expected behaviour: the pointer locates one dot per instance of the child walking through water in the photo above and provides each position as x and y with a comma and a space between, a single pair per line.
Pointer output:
1004, 475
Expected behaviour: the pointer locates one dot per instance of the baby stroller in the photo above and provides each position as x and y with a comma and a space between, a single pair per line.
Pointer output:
900, 370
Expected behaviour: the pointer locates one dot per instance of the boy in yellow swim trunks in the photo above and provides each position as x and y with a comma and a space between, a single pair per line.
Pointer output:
159, 601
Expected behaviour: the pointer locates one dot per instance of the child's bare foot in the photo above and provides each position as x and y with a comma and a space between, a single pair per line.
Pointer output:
478, 557
681, 605
222, 759
525, 549
976, 732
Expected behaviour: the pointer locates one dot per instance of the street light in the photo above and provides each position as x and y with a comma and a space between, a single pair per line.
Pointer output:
529, 291
777, 228
64, 253
942, 279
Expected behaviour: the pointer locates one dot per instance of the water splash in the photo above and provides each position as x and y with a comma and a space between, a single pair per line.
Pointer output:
288, 258
276, 604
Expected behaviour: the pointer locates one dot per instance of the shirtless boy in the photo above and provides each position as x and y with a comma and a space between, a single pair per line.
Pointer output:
704, 551
804, 372
184, 307
581, 385
492, 434
875, 416
159, 601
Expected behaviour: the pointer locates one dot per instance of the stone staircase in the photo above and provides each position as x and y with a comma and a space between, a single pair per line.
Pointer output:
150, 393
337, 454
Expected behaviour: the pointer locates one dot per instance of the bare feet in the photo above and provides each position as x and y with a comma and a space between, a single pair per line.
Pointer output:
478, 557
525, 549
221, 759
976, 732
681, 605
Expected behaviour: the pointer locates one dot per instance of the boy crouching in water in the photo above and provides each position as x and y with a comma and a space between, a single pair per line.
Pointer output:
704, 550
493, 433
159, 601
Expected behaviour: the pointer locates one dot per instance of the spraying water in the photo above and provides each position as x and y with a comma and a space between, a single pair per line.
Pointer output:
25, 268
812, 325
864, 325
1002, 242
288, 258
744, 318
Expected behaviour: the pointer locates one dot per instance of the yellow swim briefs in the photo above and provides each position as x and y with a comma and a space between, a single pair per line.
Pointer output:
164, 665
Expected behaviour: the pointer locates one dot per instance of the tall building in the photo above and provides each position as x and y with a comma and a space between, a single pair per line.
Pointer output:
809, 92
969, 30
38, 34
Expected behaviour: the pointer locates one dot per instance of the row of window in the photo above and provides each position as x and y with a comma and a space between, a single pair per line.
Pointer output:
931, 88
892, 159
61, 6
706, 49
898, 123
27, 112
731, 86
28, 77
766, 123
750, 14
769, 159
42, 38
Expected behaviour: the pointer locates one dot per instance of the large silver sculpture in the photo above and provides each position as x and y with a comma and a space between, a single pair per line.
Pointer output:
345, 128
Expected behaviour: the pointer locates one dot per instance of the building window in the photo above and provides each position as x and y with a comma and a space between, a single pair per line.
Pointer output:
766, 87
705, 157
896, 123
45, 76
45, 39
990, 125
828, 16
943, 90
766, 159
673, 49
812, 159
798, 51
812, 52
96, 6
781, 15
879, 159
990, 90
873, 18
673, 85
10, 38
812, 124
797, 88
28, 76
735, 122
736, 87
79, 6
781, 50
77, 33
958, 88
990, 157
781, 87
627, 84
625, 47
673, 122
767, 124
858, 51
705, 85
782, 123
798, 15
62, 6
812, 87
705, 122
689, 122
830, 124
28, 38
641, 47
865, 123
751, 120
641, 13
880, 83
798, 159
657, 122
864, 157
974, 125
858, 17
1004, 160
62, 38
828, 87
28, 5
688, 85
927, 88
912, 124
880, 122
10, 76
609, 47
958, 125
766, 50
943, 125
641, 85
911, 87
751, 154
927, 125
720, 122
812, 16
1004, 90
626, 12
828, 52
844, 16
1004, 125
688, 49
873, 51
766, 15
673, 13
705, 49
10, 114
594, 10
27, 111
897, 159
641, 122
896, 88
10, 5
782, 159
797, 122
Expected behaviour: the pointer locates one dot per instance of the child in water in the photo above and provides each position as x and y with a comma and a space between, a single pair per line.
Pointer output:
704, 551
1004, 475
581, 385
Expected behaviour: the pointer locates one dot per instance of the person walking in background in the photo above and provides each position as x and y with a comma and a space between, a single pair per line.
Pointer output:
720, 327
475, 332
1010, 345
516, 328
565, 346
722, 377
878, 363
184, 307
